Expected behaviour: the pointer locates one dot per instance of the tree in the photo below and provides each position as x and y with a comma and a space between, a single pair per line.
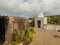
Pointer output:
53, 19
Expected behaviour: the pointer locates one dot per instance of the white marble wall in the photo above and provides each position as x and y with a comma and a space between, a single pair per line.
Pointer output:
52, 27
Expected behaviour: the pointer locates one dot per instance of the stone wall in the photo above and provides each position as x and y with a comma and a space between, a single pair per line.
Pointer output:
15, 23
52, 27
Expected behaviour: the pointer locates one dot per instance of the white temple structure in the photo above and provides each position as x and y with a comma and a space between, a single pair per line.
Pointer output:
40, 21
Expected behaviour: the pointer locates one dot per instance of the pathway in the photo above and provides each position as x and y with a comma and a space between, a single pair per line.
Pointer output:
45, 37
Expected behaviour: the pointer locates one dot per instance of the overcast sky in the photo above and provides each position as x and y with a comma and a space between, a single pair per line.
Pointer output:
29, 8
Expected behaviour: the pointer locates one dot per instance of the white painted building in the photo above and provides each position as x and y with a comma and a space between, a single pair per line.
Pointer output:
40, 21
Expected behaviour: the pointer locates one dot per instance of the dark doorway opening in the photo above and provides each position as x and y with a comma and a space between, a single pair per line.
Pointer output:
3, 25
39, 24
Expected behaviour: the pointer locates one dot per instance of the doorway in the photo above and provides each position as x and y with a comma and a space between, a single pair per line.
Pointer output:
3, 24
39, 24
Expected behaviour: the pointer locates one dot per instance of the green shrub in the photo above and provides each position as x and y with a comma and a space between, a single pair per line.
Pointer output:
25, 36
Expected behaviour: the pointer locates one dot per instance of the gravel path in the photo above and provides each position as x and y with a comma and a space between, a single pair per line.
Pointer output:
45, 37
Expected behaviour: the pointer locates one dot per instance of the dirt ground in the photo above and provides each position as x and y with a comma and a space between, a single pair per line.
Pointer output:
46, 37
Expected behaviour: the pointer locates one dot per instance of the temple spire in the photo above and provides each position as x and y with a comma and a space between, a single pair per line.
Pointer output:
41, 14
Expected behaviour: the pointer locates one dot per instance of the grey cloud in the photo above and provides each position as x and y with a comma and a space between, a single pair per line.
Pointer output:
30, 7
